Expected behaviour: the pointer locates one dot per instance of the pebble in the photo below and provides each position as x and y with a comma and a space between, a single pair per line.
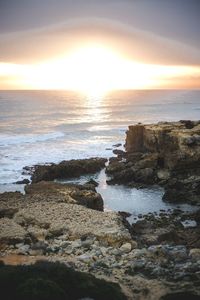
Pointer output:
85, 258
126, 248
23, 249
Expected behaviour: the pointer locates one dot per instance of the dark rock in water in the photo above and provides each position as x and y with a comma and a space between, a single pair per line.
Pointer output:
124, 214
117, 145
90, 185
92, 182
24, 181
114, 159
28, 170
68, 169
119, 152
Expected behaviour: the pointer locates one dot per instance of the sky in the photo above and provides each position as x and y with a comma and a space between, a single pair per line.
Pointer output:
145, 37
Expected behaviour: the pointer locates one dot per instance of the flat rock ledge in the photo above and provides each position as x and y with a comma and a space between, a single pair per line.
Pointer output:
45, 215
166, 153
85, 194
51, 220
66, 169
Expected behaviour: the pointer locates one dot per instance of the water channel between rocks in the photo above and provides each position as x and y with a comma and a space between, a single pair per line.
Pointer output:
134, 201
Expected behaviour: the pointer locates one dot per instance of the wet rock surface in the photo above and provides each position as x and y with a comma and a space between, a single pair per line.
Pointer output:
167, 154
67, 169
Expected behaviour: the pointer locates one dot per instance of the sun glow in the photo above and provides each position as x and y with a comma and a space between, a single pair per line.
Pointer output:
94, 70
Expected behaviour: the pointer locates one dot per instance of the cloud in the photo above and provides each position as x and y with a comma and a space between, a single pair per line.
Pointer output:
56, 40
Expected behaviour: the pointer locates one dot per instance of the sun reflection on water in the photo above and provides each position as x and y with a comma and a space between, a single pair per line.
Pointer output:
94, 104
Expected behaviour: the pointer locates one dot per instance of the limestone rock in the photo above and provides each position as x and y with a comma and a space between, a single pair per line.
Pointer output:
68, 169
126, 248
11, 232
74, 220
68, 193
162, 153
167, 139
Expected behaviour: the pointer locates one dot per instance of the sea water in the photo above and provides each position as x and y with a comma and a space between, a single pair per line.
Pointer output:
51, 126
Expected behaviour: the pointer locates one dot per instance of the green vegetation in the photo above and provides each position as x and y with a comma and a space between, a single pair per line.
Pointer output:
49, 281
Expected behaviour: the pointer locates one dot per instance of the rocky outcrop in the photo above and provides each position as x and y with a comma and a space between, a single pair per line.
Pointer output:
159, 256
67, 169
68, 193
167, 154
74, 221
43, 215
155, 258
176, 228
162, 258
46, 191
157, 137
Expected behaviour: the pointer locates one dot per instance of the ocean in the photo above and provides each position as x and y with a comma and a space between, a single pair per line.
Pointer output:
39, 127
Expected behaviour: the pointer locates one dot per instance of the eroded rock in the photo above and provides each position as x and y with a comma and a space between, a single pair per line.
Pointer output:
11, 232
67, 169
68, 193
166, 153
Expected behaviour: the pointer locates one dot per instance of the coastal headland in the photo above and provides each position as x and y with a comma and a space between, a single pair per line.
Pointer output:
158, 257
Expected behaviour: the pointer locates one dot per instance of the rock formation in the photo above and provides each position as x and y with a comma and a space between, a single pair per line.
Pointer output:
158, 261
67, 169
158, 257
167, 154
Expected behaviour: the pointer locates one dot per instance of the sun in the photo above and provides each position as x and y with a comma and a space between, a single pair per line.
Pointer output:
93, 70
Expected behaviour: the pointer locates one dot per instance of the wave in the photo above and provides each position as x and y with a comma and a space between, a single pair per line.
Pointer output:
6, 139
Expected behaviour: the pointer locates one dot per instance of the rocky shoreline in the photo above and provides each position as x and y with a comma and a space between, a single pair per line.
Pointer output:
158, 257
165, 154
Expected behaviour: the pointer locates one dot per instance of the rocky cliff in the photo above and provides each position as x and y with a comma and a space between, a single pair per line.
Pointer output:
167, 153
